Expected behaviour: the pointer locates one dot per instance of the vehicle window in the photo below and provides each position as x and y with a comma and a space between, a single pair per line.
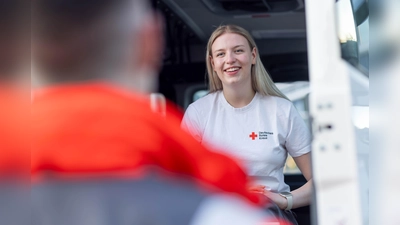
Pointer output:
354, 39
363, 46
199, 94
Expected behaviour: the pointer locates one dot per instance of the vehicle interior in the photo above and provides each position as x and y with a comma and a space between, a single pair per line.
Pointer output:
279, 29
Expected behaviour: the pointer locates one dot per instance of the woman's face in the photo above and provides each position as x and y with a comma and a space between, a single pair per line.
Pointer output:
232, 59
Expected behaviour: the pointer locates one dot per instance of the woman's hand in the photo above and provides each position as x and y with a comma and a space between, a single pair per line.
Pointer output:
257, 188
278, 199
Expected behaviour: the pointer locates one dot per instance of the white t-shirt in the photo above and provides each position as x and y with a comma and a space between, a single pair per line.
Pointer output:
260, 134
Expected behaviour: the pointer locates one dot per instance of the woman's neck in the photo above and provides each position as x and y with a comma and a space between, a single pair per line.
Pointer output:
238, 98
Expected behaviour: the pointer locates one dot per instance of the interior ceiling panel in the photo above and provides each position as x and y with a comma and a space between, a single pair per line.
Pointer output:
263, 25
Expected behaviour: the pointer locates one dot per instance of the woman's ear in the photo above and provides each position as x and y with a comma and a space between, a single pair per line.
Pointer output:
254, 55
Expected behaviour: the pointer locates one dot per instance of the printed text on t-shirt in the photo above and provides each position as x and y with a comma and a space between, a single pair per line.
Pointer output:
261, 135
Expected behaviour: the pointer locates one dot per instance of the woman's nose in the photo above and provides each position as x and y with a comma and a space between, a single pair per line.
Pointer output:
230, 58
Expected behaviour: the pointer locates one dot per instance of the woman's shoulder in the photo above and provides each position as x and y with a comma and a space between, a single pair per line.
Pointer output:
277, 101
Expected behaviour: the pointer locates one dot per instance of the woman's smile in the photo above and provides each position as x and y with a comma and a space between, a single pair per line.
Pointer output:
232, 70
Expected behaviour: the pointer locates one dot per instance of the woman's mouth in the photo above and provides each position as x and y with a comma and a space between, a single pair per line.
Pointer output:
232, 70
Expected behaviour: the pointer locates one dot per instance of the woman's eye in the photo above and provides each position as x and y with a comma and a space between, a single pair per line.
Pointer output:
239, 50
220, 54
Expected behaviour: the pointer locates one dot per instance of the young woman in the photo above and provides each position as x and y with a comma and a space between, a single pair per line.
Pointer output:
245, 115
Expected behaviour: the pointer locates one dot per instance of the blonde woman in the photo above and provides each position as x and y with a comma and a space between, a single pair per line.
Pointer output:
245, 115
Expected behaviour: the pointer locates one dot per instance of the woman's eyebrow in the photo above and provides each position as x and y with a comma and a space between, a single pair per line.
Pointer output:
236, 46
219, 50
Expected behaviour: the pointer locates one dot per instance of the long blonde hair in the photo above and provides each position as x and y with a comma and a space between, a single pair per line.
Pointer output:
260, 80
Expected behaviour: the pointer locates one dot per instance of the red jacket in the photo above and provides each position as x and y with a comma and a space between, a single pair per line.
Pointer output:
98, 129
14, 131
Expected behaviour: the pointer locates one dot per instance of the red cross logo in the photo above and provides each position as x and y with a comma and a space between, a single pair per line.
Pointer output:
253, 136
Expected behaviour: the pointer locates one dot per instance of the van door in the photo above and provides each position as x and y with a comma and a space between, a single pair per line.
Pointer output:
339, 104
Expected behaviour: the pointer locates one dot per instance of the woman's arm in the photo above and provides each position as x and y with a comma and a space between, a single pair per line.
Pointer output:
302, 195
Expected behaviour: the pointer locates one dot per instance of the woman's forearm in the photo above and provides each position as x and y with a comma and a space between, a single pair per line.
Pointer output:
302, 195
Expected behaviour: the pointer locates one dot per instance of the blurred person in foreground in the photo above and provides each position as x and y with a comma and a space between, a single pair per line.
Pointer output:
14, 113
99, 154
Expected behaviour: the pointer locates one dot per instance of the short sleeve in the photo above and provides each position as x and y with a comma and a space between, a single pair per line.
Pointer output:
298, 140
191, 123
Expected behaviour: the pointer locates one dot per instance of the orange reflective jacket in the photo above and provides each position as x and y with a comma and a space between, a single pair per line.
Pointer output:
96, 128
14, 131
